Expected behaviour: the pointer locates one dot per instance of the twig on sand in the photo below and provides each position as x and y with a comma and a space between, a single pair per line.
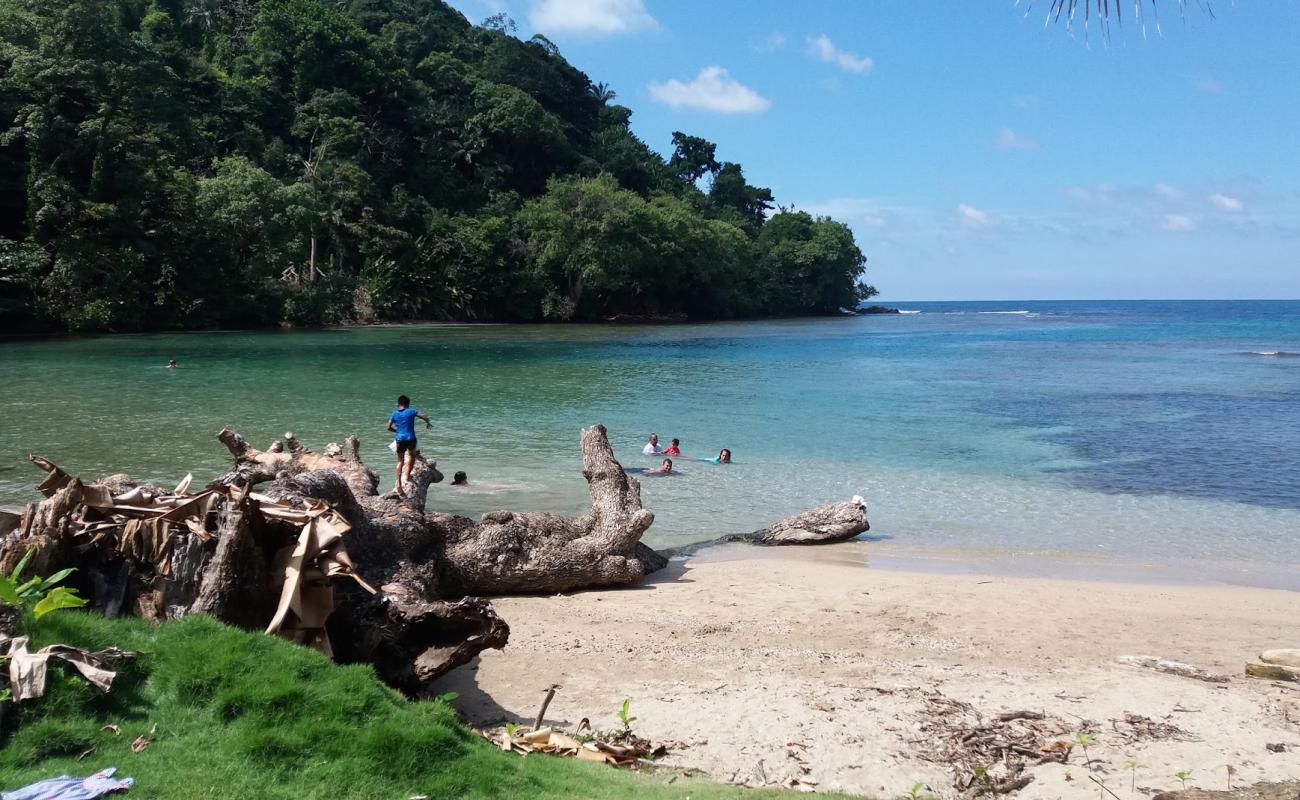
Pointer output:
1104, 787
541, 712
1007, 716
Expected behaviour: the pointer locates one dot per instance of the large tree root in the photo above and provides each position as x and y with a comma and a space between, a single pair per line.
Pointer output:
245, 550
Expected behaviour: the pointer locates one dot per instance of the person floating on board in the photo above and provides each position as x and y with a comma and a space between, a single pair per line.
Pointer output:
723, 457
402, 424
674, 449
652, 447
460, 479
171, 363
666, 468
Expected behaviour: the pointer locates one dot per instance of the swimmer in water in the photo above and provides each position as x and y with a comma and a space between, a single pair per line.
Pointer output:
674, 449
723, 457
460, 479
171, 363
666, 468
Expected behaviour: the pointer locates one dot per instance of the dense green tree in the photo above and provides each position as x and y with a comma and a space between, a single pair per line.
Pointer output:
693, 157
733, 198
809, 265
199, 163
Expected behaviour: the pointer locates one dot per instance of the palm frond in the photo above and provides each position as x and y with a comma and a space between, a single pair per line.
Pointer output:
1102, 10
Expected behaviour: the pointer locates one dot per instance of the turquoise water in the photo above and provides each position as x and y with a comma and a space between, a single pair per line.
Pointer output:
1142, 430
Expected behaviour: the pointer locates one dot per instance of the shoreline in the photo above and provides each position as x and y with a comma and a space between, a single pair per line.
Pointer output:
1043, 563
736, 657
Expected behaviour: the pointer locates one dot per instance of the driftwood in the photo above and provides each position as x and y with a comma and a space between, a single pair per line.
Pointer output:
234, 547
1286, 658
837, 522
1273, 672
834, 522
1173, 668
1288, 790
989, 756
513, 553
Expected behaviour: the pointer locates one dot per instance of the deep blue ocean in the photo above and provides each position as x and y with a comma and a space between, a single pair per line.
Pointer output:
1142, 431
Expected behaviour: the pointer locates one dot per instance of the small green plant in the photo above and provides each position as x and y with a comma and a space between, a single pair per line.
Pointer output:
1183, 775
623, 716
1132, 767
1083, 739
1231, 771
511, 729
38, 596
915, 793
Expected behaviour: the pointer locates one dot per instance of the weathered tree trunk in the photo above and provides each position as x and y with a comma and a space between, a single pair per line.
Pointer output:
289, 456
235, 586
413, 641
212, 552
837, 522
525, 553
1288, 790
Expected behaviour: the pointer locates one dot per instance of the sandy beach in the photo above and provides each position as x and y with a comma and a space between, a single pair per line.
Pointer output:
768, 664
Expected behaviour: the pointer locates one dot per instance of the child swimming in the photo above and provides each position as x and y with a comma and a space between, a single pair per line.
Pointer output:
723, 457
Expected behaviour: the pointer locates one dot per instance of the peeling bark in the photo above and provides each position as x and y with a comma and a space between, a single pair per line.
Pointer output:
836, 522
212, 552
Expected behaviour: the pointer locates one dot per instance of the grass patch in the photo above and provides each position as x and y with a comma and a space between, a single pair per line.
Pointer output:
243, 715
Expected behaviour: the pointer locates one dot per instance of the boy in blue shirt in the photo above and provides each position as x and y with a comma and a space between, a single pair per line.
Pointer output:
402, 424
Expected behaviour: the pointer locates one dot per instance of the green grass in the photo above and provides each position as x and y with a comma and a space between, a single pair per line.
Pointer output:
243, 715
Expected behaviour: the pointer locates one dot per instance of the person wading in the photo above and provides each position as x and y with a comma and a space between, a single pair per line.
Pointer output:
402, 424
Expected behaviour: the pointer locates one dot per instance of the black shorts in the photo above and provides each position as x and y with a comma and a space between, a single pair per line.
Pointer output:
409, 444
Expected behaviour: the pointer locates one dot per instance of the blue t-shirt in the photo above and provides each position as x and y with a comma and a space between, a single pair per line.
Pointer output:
404, 421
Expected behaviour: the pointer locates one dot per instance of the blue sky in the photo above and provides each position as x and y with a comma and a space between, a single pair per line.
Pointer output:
976, 153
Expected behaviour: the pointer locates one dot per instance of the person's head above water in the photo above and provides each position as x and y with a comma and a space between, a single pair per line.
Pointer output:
725, 456
460, 479
171, 363
676, 443
654, 438
403, 401
666, 466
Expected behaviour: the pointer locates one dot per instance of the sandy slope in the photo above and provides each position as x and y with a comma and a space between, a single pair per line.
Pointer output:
739, 652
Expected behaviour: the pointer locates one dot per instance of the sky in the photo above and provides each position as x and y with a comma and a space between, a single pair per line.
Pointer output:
975, 152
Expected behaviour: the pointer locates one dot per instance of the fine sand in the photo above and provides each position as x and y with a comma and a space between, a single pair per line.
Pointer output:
741, 650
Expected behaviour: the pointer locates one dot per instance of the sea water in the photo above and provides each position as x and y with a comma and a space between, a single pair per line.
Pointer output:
1138, 431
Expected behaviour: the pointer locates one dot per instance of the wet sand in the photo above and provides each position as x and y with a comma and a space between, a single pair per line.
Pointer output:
739, 651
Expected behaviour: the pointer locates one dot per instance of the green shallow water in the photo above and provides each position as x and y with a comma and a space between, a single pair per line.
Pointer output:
976, 431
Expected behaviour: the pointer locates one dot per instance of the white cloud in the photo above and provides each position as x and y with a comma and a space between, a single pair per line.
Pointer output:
1178, 222
1225, 203
774, 41
972, 217
1100, 194
1169, 192
590, 17
823, 49
712, 90
1008, 139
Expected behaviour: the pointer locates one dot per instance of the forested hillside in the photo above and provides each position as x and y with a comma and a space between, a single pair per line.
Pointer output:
201, 163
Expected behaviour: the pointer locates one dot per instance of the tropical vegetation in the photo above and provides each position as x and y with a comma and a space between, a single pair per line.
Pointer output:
170, 164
